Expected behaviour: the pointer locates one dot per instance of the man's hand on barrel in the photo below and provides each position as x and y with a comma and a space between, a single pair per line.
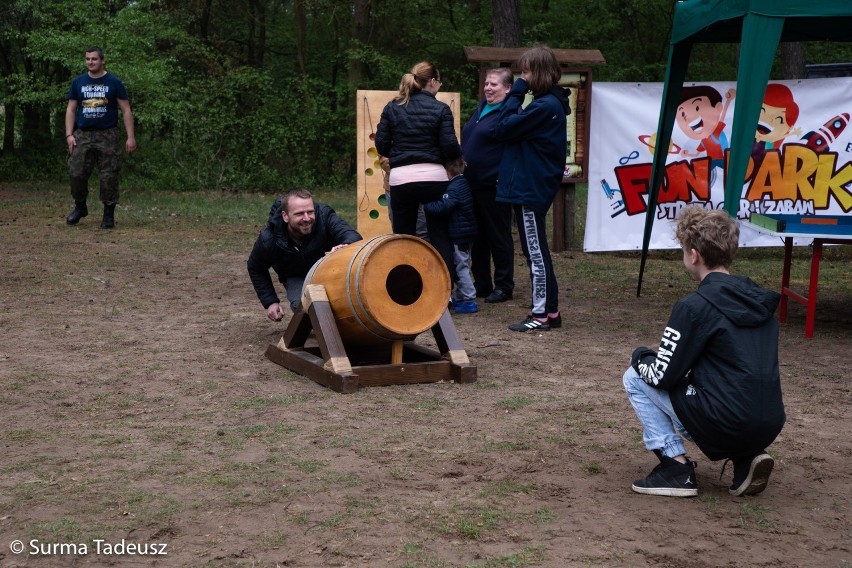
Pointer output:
275, 312
338, 247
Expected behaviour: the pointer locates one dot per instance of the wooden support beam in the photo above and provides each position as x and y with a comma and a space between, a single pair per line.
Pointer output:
311, 366
329, 365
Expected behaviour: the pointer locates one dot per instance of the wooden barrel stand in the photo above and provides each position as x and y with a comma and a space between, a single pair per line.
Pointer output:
366, 304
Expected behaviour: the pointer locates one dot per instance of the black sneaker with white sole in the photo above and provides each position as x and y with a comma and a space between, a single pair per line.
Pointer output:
670, 478
751, 476
554, 322
531, 324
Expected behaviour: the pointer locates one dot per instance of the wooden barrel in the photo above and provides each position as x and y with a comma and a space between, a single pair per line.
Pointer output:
388, 288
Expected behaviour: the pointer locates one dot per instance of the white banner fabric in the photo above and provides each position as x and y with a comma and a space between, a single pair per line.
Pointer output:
801, 160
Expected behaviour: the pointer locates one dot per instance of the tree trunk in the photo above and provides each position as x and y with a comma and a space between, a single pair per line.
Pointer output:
258, 33
204, 19
507, 23
35, 131
9, 128
792, 60
299, 15
360, 38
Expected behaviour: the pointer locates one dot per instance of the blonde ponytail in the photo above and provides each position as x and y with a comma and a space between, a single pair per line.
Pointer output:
416, 80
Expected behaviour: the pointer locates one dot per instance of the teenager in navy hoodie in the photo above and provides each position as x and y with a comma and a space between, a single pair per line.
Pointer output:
531, 171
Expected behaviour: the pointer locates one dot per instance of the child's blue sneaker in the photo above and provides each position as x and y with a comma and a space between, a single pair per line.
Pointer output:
465, 307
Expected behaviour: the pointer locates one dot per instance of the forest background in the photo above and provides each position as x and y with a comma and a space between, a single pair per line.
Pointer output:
259, 95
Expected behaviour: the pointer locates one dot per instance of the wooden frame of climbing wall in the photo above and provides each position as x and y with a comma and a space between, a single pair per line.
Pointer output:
372, 207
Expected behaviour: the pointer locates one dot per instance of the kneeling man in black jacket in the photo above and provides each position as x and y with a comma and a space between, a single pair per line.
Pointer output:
299, 232
714, 379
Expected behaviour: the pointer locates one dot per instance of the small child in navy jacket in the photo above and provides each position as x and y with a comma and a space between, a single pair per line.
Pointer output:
457, 202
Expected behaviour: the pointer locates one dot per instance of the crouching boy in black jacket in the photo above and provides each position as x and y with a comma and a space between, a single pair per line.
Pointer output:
715, 378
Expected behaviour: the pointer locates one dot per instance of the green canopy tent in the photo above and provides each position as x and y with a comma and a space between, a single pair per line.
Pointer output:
758, 25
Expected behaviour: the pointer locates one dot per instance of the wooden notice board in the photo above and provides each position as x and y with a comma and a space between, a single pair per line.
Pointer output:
371, 205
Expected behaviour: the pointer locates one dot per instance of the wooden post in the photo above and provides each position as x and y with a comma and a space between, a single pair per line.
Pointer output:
570, 214
558, 244
564, 213
396, 352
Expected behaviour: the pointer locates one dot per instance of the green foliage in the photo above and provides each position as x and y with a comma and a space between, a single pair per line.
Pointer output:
261, 97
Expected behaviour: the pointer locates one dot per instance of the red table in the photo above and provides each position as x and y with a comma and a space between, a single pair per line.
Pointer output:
823, 229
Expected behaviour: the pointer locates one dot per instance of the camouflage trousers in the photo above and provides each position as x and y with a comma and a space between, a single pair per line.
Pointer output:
95, 147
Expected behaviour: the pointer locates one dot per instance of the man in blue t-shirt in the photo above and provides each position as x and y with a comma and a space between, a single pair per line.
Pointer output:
91, 132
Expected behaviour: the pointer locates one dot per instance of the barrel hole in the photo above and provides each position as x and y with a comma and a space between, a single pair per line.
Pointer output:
404, 285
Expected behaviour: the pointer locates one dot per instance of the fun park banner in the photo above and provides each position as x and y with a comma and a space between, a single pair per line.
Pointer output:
801, 160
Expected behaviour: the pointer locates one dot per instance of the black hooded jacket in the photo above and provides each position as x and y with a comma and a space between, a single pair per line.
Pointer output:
718, 359
274, 249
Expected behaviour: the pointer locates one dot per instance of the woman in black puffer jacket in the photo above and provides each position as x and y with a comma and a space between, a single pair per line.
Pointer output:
416, 133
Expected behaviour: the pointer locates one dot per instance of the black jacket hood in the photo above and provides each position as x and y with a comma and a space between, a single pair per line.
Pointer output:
739, 299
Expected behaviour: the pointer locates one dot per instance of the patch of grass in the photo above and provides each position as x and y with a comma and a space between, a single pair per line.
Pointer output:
24, 435
271, 540
149, 509
100, 402
411, 548
593, 468
361, 506
309, 466
472, 527
505, 487
432, 405
505, 445
401, 474
270, 435
334, 521
515, 402
712, 501
336, 442
337, 479
61, 530
755, 516
263, 402
527, 556
178, 435
561, 439
544, 515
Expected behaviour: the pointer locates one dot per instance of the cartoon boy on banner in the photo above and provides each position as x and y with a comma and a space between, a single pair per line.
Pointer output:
701, 116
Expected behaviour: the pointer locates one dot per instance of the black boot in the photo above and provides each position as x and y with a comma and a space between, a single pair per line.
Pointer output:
80, 211
109, 217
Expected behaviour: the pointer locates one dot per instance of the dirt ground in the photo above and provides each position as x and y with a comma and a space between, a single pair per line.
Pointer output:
138, 409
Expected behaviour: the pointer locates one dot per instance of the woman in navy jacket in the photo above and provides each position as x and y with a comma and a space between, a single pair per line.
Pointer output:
531, 171
483, 154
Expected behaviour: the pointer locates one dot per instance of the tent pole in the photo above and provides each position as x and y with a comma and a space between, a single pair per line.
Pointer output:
675, 75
